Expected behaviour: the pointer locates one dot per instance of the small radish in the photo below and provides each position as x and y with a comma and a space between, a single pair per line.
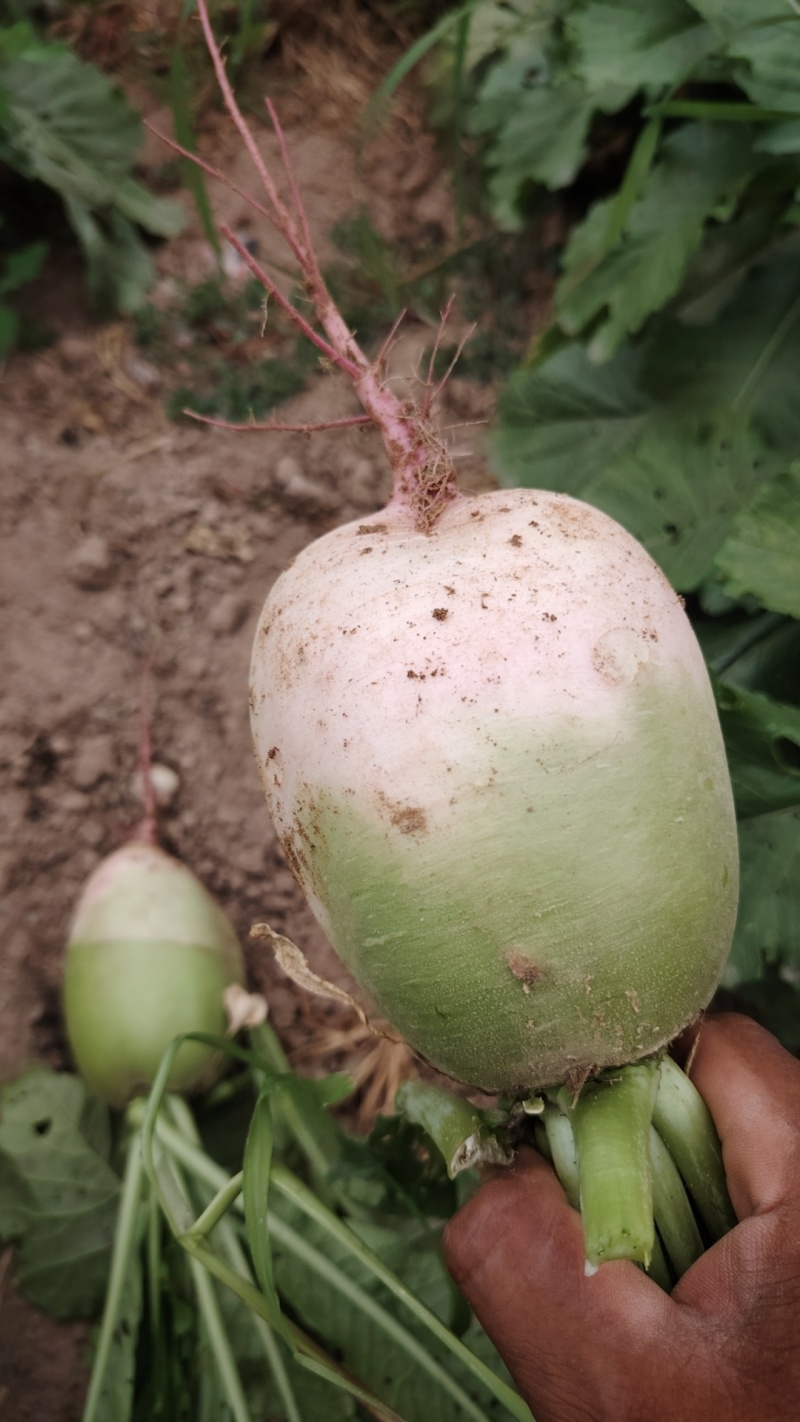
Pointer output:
149, 956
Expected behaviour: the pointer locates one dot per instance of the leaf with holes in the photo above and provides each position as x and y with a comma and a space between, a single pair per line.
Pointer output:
762, 553
58, 1194
564, 421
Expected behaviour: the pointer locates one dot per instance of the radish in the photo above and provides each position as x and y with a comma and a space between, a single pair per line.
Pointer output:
149, 957
492, 756
490, 749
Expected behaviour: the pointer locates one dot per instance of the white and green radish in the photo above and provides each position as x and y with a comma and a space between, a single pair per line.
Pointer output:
490, 748
149, 957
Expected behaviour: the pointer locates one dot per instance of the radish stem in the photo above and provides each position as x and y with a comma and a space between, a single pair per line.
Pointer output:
208, 1305
288, 1185
457, 1128
561, 1142
658, 1268
230, 1244
126, 1239
684, 1123
611, 1122
674, 1218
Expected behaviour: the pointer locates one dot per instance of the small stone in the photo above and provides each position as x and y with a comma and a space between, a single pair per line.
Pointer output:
297, 488
60, 744
363, 481
165, 782
91, 832
83, 631
75, 351
211, 513
94, 761
228, 614
91, 565
251, 860
282, 885
74, 802
144, 373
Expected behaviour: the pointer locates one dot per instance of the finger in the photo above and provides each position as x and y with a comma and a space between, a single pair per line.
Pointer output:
751, 1086
516, 1250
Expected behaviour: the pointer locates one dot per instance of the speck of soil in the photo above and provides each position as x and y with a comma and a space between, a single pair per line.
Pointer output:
410, 819
440, 613
525, 971
515, 540
372, 528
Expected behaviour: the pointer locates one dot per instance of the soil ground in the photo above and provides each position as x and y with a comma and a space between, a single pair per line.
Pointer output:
126, 537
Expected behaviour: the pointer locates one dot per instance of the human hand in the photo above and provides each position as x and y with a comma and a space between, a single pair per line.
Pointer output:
724, 1346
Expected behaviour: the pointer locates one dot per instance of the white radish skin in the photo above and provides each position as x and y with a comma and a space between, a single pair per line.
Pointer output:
492, 756
149, 956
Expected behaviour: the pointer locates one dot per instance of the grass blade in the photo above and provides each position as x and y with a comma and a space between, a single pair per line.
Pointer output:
180, 104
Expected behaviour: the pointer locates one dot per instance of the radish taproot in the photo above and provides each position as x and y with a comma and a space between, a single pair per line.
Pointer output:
490, 748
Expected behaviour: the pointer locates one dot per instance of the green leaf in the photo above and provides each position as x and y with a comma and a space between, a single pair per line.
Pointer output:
181, 104
365, 1347
65, 125
771, 55
762, 740
679, 486
656, 45
768, 927
762, 553
255, 1195
561, 423
22, 266
702, 169
58, 1197
731, 18
119, 268
408, 1178
515, 27
676, 482
729, 251
747, 361
9, 330
758, 652
542, 139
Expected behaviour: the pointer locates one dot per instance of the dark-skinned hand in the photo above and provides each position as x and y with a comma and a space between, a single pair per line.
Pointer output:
612, 1347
